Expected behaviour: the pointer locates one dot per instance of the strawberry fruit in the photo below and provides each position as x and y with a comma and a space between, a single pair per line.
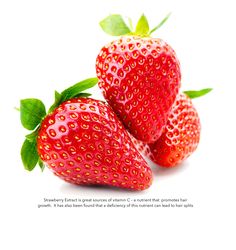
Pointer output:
82, 141
181, 135
139, 76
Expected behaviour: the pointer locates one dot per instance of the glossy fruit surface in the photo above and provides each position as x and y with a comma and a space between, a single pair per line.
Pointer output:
180, 137
83, 142
140, 78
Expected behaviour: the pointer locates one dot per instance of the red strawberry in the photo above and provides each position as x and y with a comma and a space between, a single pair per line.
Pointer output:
83, 142
142, 147
140, 78
181, 134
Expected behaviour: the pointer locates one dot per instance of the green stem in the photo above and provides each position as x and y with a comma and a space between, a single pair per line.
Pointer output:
160, 24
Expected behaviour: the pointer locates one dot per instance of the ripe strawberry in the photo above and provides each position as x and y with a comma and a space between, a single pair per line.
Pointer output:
181, 134
83, 142
140, 78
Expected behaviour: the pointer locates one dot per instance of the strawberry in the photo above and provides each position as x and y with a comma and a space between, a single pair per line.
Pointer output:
82, 141
181, 135
139, 76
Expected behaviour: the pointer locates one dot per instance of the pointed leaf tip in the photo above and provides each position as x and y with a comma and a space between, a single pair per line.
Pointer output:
32, 112
161, 23
29, 154
57, 101
114, 25
142, 27
73, 91
77, 88
41, 164
197, 93
32, 136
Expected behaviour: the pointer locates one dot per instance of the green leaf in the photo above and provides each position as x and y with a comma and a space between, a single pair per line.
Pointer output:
114, 25
76, 89
32, 136
32, 112
142, 27
197, 93
73, 91
160, 24
29, 154
41, 164
57, 96
57, 101
130, 24
83, 95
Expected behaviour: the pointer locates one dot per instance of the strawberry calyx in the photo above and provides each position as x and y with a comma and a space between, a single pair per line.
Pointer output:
197, 93
33, 111
115, 25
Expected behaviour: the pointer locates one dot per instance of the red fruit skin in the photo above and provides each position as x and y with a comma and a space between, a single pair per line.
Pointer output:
140, 78
142, 147
180, 138
83, 142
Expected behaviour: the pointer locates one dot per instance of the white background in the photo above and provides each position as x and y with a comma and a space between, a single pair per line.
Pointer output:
48, 45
